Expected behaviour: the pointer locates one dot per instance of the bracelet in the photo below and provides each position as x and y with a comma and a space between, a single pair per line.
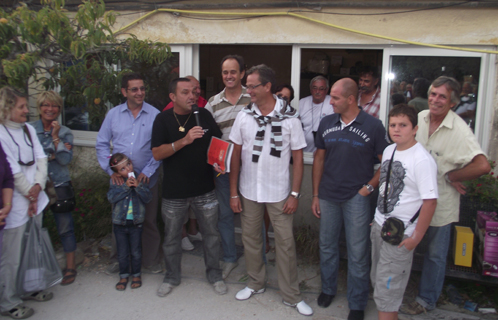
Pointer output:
234, 197
173, 146
315, 195
55, 140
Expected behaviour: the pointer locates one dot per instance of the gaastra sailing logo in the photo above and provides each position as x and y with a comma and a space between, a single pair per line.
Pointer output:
359, 132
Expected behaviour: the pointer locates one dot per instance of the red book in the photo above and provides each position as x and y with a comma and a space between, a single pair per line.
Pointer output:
220, 152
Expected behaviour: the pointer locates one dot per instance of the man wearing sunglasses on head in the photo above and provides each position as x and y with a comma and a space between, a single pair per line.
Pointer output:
129, 127
313, 108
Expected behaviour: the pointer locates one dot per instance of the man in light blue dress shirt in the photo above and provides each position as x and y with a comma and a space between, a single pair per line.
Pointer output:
129, 127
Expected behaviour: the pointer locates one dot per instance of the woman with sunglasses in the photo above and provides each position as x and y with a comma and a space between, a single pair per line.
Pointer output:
29, 167
57, 141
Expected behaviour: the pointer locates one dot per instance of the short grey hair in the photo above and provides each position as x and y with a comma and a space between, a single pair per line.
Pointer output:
315, 79
451, 85
266, 74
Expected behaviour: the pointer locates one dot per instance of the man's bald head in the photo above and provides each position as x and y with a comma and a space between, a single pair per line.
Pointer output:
197, 86
343, 96
349, 87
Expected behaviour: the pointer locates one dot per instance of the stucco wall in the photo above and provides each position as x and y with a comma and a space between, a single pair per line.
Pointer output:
464, 26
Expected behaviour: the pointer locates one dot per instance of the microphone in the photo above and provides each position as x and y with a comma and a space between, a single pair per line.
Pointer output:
195, 110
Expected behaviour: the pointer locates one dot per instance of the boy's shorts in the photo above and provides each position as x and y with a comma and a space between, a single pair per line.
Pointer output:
390, 271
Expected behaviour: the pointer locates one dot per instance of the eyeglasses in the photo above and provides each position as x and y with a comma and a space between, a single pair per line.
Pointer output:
48, 105
318, 88
254, 87
30, 144
135, 89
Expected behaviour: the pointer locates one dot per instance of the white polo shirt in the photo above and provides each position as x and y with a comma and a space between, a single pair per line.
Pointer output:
311, 114
267, 180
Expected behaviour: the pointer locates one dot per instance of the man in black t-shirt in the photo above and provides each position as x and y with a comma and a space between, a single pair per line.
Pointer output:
187, 183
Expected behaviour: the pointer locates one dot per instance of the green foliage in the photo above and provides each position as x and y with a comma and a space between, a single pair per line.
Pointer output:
72, 52
485, 188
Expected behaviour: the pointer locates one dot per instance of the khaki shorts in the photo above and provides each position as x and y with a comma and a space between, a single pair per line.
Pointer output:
390, 271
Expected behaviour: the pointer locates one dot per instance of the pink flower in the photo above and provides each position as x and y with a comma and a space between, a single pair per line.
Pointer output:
82, 194
82, 215
76, 209
89, 190
479, 184
83, 190
91, 208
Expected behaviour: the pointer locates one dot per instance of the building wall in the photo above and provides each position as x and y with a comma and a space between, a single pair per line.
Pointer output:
459, 26
463, 26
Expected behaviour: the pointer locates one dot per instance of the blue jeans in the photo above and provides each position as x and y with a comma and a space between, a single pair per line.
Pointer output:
225, 219
65, 228
434, 268
174, 211
129, 248
355, 213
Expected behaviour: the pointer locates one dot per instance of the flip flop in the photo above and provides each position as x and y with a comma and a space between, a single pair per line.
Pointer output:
39, 296
69, 277
121, 285
137, 283
19, 312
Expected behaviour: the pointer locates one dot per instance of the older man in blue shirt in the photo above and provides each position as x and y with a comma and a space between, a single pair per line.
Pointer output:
129, 127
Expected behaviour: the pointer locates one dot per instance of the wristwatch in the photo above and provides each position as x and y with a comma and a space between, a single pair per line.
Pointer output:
369, 187
295, 194
447, 178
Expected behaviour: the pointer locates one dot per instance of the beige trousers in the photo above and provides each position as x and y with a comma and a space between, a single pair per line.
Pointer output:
252, 238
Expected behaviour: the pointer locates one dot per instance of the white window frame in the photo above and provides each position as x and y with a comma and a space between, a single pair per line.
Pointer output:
296, 74
486, 90
187, 66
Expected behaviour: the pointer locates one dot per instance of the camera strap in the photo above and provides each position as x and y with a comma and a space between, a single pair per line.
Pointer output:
387, 187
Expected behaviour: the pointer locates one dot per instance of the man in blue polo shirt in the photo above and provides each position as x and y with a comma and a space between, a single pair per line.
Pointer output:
343, 179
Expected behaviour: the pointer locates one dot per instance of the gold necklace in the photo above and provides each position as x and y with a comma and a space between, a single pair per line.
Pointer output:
182, 128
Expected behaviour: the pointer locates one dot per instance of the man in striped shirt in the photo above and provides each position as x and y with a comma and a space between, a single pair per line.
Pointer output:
224, 107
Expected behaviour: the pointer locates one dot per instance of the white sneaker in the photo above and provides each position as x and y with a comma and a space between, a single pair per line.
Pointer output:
187, 245
302, 307
247, 292
195, 237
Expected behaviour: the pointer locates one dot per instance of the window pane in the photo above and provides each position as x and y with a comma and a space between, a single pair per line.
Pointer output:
410, 77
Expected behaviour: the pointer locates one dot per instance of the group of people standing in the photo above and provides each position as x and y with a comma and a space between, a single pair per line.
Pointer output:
31, 154
420, 177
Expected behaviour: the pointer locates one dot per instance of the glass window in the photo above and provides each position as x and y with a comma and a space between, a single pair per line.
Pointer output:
410, 77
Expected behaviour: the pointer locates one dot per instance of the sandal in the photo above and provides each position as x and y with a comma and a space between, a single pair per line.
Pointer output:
69, 277
19, 312
121, 285
39, 296
136, 283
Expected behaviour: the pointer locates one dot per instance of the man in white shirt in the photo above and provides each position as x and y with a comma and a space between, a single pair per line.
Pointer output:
265, 135
313, 108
